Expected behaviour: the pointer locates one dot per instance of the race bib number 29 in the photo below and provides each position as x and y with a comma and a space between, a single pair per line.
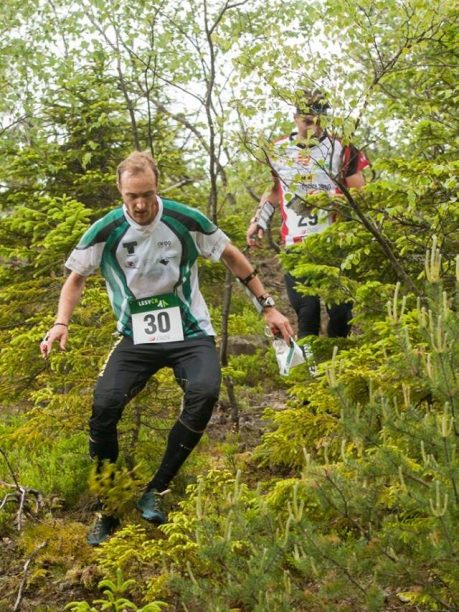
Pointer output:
156, 319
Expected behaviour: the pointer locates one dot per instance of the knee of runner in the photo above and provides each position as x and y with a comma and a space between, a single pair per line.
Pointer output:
104, 448
196, 421
108, 404
199, 404
205, 394
106, 412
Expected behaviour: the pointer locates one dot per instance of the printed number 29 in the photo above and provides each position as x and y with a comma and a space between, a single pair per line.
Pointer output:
154, 323
309, 220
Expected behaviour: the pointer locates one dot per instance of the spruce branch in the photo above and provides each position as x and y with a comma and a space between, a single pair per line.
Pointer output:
334, 562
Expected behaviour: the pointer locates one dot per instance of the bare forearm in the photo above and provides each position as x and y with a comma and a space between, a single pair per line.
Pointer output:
70, 296
260, 222
241, 267
271, 194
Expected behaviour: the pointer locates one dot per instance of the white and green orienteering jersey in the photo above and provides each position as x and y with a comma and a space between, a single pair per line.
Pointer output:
139, 261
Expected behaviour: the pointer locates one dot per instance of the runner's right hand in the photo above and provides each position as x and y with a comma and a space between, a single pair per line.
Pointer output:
254, 235
57, 332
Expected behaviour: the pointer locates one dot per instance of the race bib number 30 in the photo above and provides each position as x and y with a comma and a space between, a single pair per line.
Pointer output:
156, 319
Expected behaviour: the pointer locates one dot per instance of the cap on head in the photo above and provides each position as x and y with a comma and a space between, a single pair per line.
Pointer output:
311, 102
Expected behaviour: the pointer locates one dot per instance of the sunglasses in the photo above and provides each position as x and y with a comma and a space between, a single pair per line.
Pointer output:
307, 120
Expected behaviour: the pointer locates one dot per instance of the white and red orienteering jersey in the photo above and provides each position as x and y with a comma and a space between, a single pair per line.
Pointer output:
301, 170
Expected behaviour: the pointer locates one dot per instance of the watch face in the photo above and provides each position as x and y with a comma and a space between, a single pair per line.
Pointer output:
267, 302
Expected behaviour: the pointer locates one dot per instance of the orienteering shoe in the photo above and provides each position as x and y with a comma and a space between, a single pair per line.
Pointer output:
151, 506
103, 527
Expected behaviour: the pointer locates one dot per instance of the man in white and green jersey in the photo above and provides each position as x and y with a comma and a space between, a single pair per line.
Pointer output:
147, 251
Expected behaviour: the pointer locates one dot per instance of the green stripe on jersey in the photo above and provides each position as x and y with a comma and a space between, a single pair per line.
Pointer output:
191, 218
101, 229
189, 256
114, 275
189, 253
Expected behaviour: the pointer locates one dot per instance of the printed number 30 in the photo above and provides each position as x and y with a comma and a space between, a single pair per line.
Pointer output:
154, 323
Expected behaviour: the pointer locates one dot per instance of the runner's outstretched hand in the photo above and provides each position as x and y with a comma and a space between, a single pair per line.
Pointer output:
278, 323
254, 235
55, 333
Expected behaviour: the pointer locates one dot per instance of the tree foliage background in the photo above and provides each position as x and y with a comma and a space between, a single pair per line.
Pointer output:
350, 499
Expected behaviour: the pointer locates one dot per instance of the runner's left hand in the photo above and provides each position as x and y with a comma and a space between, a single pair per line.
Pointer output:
278, 323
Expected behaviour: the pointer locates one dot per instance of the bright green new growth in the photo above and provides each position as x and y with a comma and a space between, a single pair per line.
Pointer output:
350, 499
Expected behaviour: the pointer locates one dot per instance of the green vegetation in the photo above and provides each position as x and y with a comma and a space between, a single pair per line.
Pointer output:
346, 495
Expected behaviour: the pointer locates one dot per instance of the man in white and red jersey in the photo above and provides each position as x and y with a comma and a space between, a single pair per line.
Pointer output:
306, 162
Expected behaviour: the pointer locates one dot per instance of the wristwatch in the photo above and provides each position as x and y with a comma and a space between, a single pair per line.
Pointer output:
266, 301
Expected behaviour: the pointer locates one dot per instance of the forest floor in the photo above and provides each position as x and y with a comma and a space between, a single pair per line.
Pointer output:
66, 569
49, 585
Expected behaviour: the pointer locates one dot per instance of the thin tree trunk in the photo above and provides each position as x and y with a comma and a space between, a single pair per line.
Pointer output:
228, 381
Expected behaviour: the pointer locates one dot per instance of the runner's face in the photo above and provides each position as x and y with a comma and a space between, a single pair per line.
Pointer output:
139, 194
307, 125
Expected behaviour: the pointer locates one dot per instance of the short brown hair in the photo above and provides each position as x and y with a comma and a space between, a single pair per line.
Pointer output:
137, 163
